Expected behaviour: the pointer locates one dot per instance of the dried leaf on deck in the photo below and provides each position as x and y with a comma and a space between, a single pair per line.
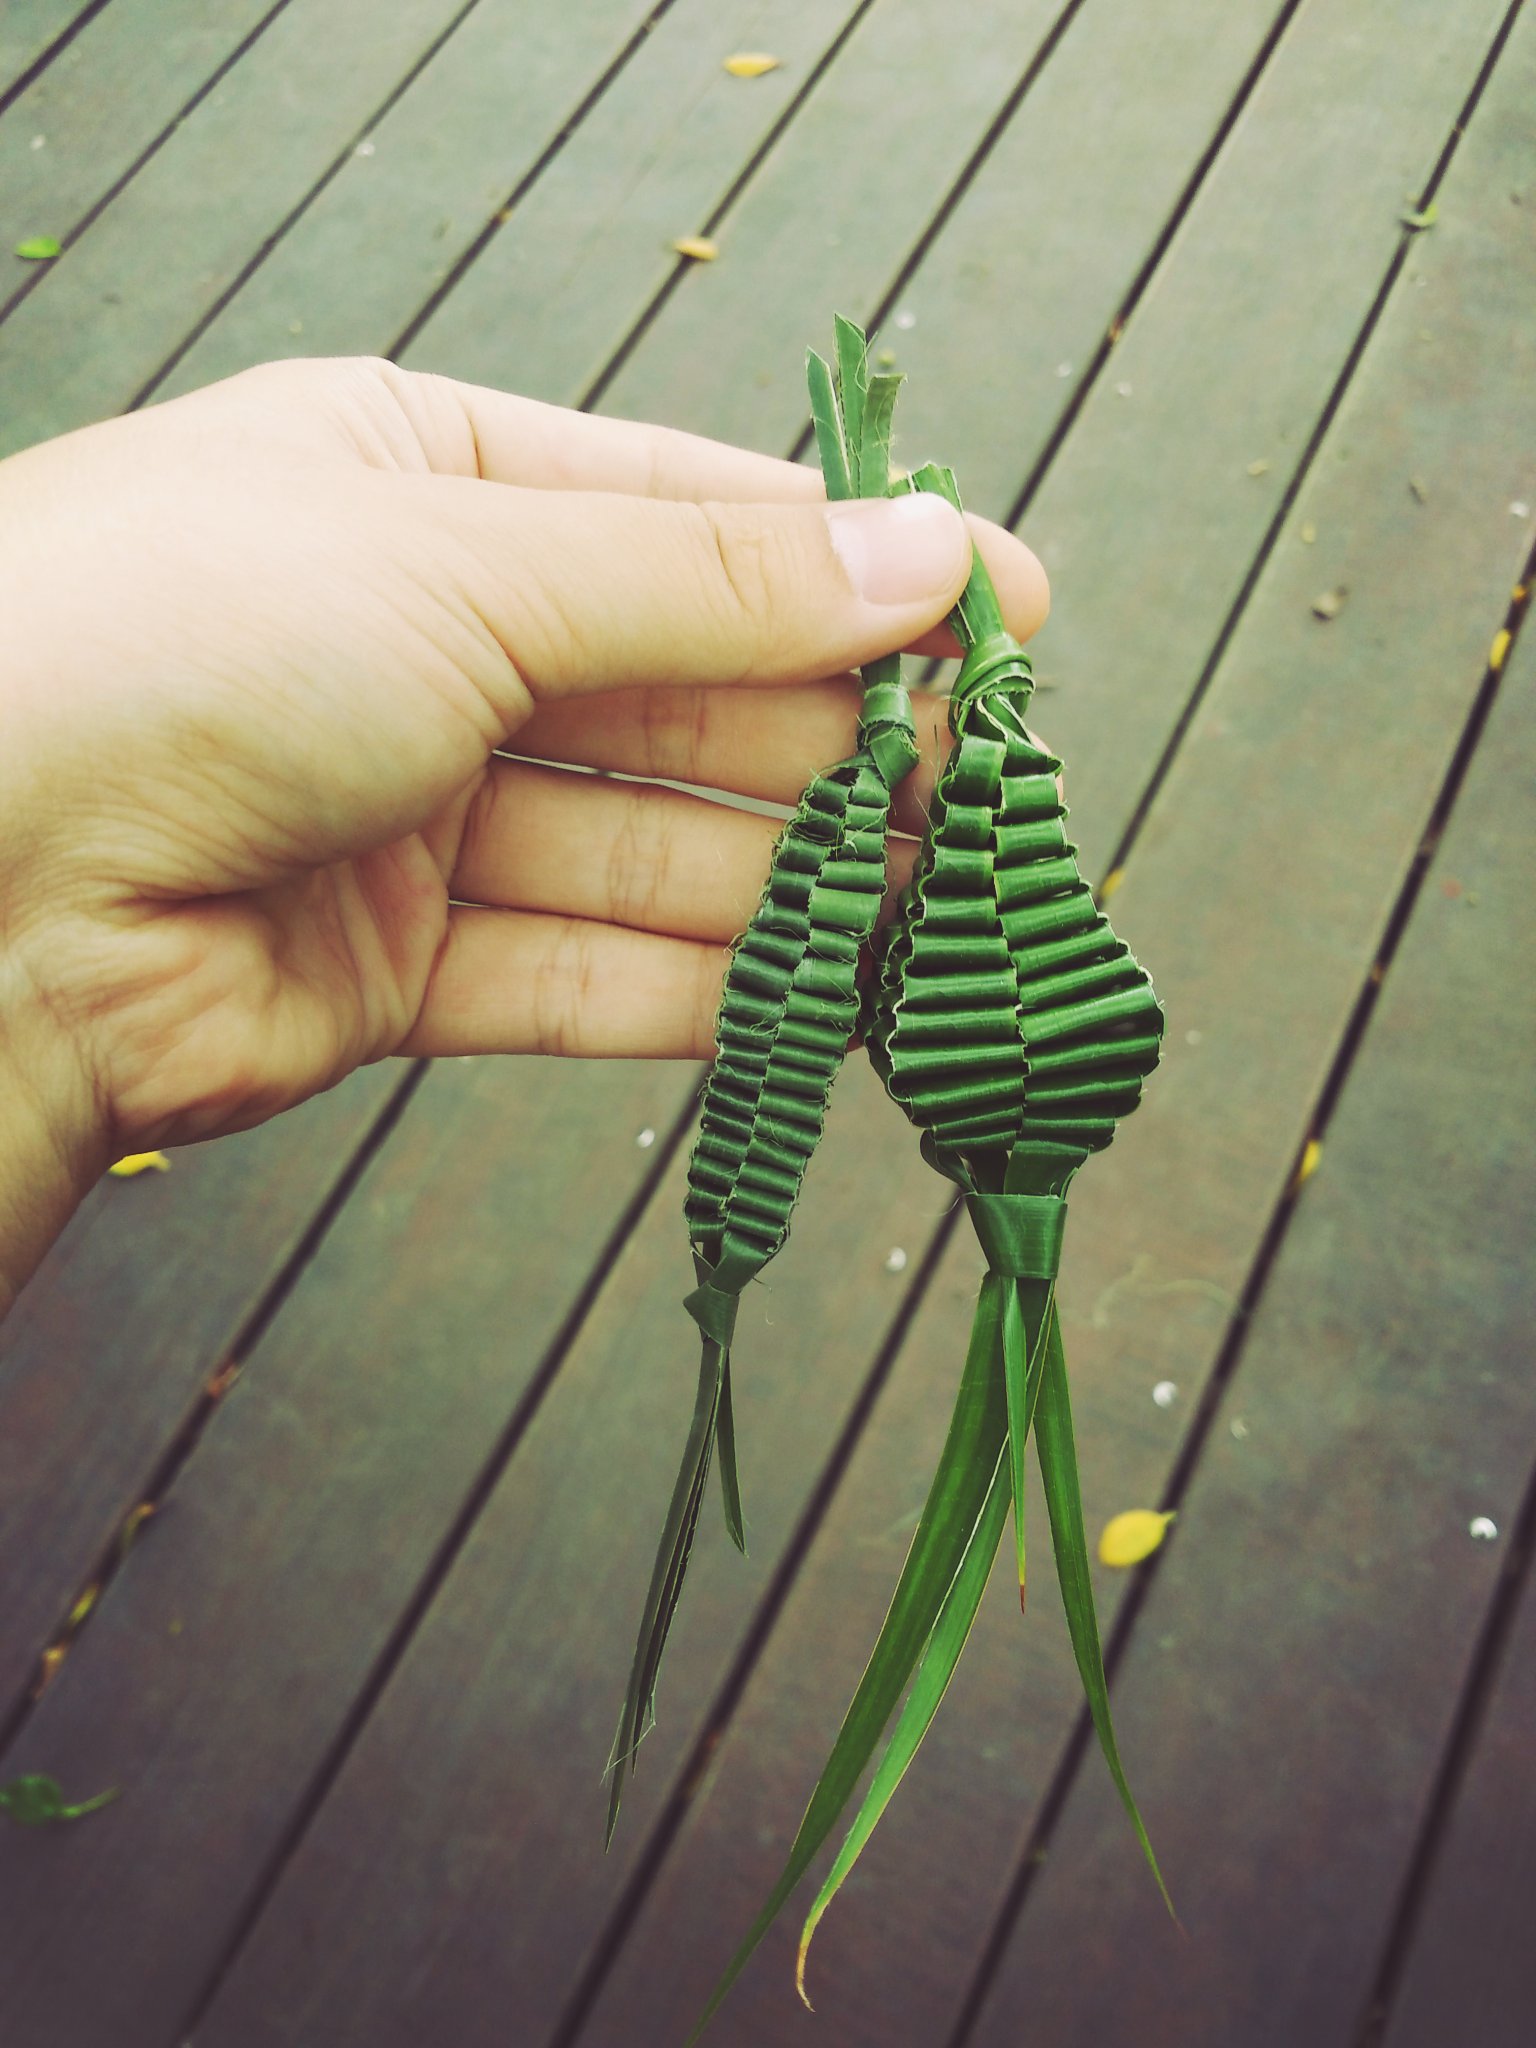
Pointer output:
135, 1163
1330, 603
699, 247
751, 64
1132, 1536
1416, 219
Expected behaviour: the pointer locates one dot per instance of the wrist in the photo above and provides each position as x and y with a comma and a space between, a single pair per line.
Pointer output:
53, 1142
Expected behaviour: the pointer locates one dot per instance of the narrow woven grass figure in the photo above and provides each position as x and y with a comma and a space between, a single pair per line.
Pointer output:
1015, 1029
789, 1008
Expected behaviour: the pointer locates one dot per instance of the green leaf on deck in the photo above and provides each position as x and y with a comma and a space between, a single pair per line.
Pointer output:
1416, 219
38, 248
35, 1800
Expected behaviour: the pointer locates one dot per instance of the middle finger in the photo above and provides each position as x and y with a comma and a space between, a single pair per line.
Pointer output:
627, 853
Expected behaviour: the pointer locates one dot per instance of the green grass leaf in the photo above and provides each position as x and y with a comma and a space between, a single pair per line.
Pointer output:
875, 435
730, 1481
957, 1499
852, 383
827, 419
1023, 1365
1057, 1452
950, 1633
638, 1711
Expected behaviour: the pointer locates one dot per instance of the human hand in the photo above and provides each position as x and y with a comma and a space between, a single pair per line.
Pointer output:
263, 643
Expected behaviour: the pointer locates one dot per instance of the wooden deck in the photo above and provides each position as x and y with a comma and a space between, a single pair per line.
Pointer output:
404, 1376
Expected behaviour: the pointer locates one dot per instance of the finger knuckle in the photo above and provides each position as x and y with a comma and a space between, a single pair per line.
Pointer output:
747, 563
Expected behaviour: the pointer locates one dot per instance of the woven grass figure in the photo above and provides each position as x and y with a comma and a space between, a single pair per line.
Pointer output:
789, 1007
1015, 1029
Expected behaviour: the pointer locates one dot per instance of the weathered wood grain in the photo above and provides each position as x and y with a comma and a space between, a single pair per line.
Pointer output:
107, 98
460, 141
28, 30
829, 217
209, 1688
1471, 1972
581, 250
119, 302
135, 1307
1298, 1665
1255, 896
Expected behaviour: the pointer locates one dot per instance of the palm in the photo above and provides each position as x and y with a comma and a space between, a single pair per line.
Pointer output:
255, 1000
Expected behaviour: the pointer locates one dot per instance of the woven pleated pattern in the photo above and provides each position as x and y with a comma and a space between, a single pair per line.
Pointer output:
791, 1002
1007, 1012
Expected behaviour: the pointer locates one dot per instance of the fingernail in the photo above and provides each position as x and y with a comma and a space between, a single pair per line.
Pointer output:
899, 551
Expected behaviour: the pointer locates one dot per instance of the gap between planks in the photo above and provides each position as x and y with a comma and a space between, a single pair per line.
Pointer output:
34, 68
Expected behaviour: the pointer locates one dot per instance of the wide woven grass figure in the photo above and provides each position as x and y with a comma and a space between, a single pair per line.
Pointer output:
1015, 1029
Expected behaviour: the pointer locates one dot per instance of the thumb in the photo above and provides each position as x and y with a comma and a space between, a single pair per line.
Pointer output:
585, 591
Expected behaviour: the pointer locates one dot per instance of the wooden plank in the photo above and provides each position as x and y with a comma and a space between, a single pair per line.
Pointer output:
1471, 1973
106, 99
28, 30
829, 216
210, 1682
583, 248
1258, 947
132, 1311
123, 298
1299, 1663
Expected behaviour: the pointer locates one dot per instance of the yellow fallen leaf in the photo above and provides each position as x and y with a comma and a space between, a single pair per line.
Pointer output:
750, 64
1498, 650
699, 247
1110, 884
140, 1162
82, 1607
1311, 1153
1130, 1537
48, 1668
